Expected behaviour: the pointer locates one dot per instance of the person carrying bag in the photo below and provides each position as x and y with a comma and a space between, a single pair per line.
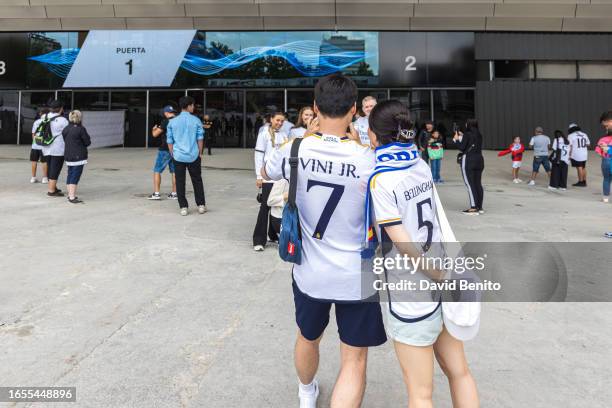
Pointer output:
290, 239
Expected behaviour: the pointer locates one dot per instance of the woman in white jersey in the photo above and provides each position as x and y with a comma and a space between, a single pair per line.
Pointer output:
304, 117
269, 139
401, 193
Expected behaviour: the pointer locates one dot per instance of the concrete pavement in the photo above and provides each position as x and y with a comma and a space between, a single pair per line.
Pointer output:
139, 307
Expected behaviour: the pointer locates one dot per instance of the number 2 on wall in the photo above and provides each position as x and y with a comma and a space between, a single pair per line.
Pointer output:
130, 65
2, 67
410, 63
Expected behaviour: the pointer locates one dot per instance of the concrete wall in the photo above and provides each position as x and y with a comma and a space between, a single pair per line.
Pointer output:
416, 15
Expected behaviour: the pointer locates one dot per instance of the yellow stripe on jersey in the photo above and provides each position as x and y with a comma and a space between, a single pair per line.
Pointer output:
387, 221
373, 181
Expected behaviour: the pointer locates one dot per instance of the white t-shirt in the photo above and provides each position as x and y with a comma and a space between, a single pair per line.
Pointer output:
332, 177
565, 149
297, 132
265, 146
406, 197
580, 142
362, 125
34, 129
57, 126
286, 127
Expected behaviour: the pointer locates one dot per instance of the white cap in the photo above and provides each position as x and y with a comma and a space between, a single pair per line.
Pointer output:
572, 125
463, 333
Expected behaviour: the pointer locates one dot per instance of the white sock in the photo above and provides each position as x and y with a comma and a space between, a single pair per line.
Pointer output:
308, 389
156, 193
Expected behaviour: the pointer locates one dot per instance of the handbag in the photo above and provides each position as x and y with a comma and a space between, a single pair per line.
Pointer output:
290, 239
435, 154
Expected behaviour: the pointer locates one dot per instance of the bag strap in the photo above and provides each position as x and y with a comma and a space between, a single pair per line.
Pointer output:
293, 162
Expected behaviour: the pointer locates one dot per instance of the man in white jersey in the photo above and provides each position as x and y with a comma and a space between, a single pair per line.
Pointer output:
361, 125
332, 175
36, 153
579, 152
55, 151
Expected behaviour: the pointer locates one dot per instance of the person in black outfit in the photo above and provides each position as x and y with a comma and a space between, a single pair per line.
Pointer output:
209, 133
472, 164
76, 140
423, 140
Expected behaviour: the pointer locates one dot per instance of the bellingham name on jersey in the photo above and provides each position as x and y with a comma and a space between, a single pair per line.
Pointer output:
417, 190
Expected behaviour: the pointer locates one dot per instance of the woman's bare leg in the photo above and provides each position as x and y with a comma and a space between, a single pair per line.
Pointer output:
417, 369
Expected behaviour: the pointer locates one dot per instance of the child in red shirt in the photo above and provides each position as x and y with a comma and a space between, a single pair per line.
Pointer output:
516, 149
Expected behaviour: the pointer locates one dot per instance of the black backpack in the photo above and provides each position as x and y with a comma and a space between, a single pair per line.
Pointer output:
43, 135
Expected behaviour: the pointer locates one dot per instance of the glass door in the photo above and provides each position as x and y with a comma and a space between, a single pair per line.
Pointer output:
9, 111
226, 110
258, 104
134, 103
31, 102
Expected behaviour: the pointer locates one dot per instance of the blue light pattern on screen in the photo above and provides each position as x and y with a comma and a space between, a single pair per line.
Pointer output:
308, 57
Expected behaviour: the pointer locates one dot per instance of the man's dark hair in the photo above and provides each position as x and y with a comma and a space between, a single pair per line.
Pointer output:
335, 95
186, 101
56, 106
606, 116
471, 124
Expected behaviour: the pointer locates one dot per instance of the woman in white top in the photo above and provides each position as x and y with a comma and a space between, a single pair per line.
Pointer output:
268, 140
409, 221
304, 117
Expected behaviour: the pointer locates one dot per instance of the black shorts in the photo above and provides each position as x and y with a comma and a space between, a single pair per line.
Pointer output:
359, 324
37, 155
576, 163
54, 166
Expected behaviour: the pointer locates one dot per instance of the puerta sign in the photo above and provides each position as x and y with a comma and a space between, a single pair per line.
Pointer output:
426, 59
13, 51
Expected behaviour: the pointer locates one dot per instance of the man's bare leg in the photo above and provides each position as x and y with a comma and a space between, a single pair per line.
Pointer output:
306, 358
350, 385
156, 182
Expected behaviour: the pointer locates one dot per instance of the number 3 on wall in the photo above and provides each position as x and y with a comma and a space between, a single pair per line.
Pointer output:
410, 63
2, 67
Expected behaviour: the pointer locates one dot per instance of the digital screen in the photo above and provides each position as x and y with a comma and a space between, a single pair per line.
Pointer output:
189, 58
13, 47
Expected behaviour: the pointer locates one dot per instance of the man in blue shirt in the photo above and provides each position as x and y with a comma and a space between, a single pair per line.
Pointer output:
185, 137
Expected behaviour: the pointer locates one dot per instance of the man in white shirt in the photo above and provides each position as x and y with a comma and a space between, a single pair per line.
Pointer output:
332, 175
362, 125
579, 152
55, 151
36, 153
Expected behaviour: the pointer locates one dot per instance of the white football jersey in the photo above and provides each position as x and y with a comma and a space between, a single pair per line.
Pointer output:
559, 143
362, 125
297, 132
332, 178
58, 123
580, 142
34, 129
265, 146
406, 197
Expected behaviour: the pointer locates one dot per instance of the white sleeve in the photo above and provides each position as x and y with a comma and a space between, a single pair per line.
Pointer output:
35, 125
531, 142
385, 206
554, 146
587, 139
277, 164
260, 150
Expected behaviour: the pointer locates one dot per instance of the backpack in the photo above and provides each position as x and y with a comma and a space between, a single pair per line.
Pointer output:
290, 239
44, 136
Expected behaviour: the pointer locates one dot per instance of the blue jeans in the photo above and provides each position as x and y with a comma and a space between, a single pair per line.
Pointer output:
74, 174
541, 161
607, 175
435, 168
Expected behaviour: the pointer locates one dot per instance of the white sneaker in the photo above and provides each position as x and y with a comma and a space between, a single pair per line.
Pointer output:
154, 196
309, 400
33, 180
552, 188
563, 189
202, 209
606, 200
184, 212
531, 183
45, 180
172, 196
515, 181
518, 180
258, 248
